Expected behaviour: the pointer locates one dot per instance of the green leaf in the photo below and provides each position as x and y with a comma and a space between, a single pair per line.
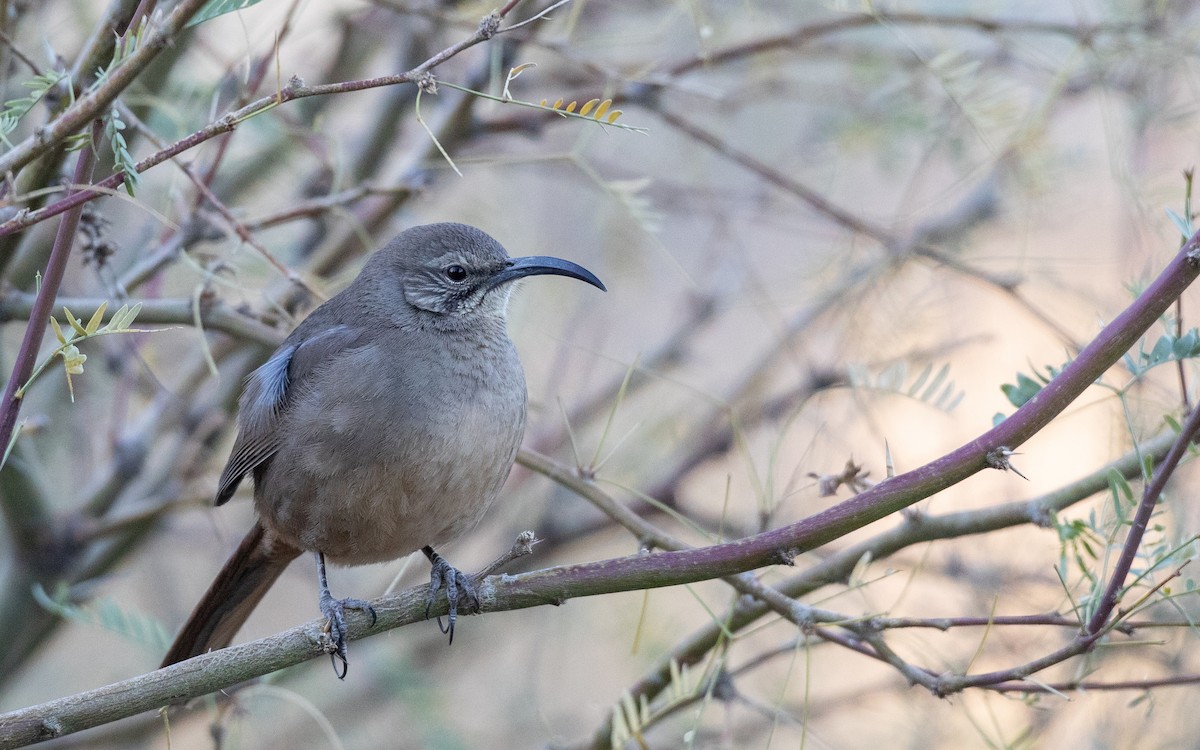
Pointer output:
1185, 345
920, 381
1018, 395
1161, 351
1183, 225
1119, 486
215, 8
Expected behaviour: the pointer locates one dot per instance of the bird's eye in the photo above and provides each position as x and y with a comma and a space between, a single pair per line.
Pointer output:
455, 273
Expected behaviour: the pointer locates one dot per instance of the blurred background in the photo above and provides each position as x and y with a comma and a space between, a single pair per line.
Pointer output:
834, 231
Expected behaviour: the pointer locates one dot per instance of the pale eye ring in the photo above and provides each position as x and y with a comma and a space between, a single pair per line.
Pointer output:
455, 273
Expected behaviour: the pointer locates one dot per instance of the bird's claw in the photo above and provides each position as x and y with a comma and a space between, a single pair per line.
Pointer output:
335, 612
457, 584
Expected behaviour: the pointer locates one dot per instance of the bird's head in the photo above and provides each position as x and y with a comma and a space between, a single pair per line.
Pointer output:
458, 270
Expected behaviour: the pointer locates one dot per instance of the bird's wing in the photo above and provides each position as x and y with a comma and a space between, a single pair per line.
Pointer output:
265, 398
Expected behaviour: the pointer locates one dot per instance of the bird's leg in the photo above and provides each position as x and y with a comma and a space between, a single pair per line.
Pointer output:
445, 574
335, 611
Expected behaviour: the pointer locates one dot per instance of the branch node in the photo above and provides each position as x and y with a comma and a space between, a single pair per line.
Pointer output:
785, 556
489, 25
1193, 255
51, 727
998, 458
427, 83
940, 688
1042, 517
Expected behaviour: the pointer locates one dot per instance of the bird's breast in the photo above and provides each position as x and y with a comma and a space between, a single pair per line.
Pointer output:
388, 451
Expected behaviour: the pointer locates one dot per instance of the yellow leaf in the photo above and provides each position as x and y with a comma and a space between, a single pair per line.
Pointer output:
57, 330
612, 116
557, 104
542, 102
571, 106
94, 324
75, 322
604, 105
588, 107
520, 69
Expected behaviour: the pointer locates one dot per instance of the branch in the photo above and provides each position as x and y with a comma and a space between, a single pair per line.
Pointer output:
216, 316
89, 106
1096, 626
294, 90
916, 529
10, 405
803, 34
229, 666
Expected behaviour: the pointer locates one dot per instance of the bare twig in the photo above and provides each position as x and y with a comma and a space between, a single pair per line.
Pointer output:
10, 405
27, 151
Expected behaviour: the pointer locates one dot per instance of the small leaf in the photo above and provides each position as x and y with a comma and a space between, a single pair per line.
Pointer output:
604, 105
892, 378
953, 403
512, 74
920, 380
588, 107
1120, 486
58, 334
631, 711
117, 321
557, 103
131, 313
612, 116
938, 379
859, 573
215, 8
520, 69
1162, 350
1183, 225
571, 106
1020, 394
1185, 345
78, 326
94, 324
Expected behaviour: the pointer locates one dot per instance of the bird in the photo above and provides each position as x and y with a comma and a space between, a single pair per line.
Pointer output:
385, 423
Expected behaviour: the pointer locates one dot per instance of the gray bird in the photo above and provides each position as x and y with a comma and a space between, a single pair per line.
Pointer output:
385, 423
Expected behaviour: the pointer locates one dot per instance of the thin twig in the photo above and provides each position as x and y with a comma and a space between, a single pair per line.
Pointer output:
26, 359
26, 151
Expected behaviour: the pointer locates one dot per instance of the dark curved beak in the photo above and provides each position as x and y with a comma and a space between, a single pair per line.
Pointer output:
538, 265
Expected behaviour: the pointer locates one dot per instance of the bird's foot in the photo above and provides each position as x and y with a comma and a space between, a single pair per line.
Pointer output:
335, 611
456, 583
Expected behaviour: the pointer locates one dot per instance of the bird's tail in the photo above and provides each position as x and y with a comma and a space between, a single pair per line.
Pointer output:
233, 595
